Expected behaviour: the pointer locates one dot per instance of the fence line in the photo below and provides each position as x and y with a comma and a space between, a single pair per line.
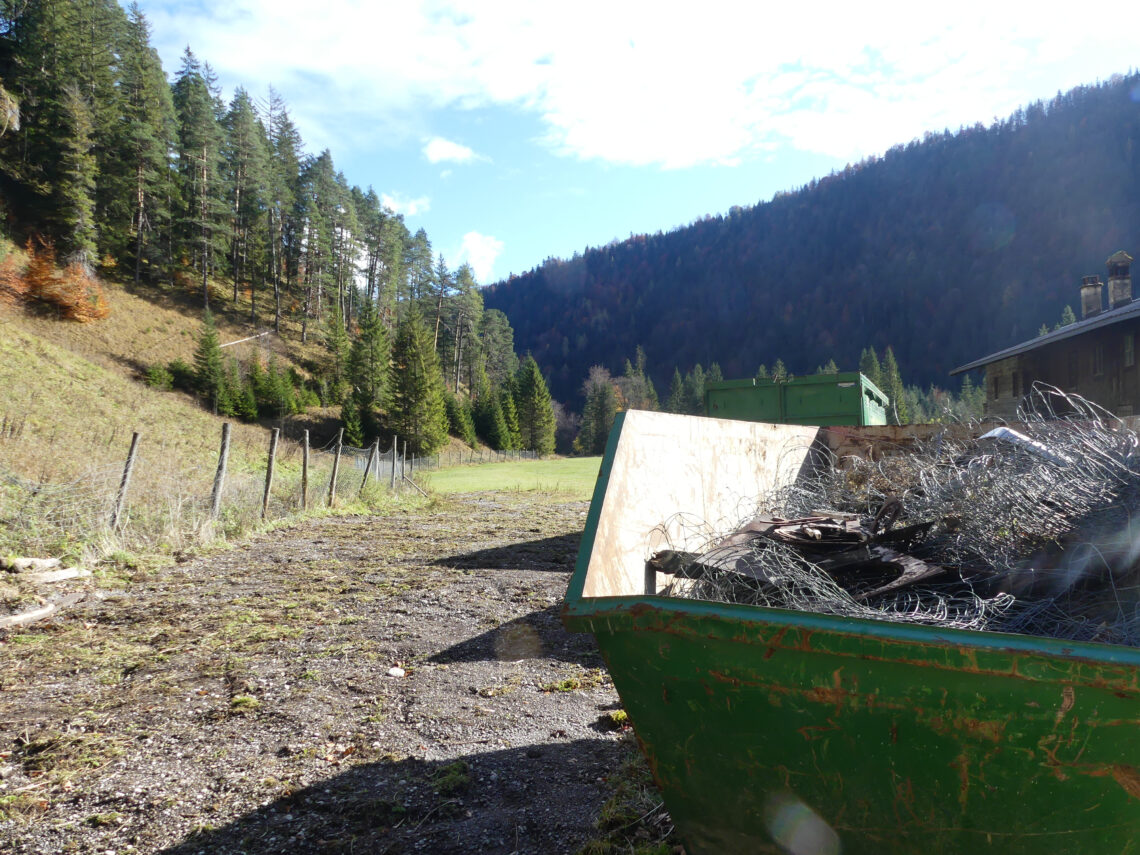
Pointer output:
145, 500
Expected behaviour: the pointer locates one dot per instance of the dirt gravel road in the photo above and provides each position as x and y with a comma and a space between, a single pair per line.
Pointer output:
348, 684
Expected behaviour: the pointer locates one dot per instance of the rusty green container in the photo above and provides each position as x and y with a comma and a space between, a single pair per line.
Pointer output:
788, 732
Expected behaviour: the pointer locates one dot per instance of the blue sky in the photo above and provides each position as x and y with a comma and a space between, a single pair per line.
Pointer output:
517, 131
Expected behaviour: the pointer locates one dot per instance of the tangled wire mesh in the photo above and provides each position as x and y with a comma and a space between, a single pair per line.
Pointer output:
1033, 531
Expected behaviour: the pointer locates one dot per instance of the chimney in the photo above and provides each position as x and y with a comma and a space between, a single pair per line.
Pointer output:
1090, 296
1119, 279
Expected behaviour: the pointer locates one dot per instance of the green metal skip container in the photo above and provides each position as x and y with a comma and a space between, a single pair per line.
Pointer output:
788, 732
818, 399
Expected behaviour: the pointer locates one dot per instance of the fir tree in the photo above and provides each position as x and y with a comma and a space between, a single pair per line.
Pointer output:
459, 420
368, 360
598, 414
894, 389
416, 398
1067, 316
762, 372
779, 372
510, 417
350, 421
675, 403
535, 410
209, 373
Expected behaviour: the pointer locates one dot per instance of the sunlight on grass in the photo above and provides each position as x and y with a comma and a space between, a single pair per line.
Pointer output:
574, 477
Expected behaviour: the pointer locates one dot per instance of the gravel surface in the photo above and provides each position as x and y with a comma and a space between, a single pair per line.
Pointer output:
346, 684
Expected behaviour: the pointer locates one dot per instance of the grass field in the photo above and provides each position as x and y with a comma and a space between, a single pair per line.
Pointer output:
572, 476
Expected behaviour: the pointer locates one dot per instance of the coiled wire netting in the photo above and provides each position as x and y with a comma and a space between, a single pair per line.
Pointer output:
1034, 530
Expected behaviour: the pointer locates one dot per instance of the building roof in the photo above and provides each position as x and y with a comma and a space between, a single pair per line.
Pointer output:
1101, 319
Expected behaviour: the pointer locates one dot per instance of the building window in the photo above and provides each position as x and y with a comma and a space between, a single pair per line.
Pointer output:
1129, 350
1098, 360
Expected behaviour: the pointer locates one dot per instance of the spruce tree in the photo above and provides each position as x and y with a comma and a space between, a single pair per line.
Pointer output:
762, 372
416, 407
894, 389
487, 414
459, 420
199, 156
141, 176
869, 366
1067, 316
245, 153
535, 410
675, 403
510, 417
350, 421
598, 414
209, 373
368, 361
779, 372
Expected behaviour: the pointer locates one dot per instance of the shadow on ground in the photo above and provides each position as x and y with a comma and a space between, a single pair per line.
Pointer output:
550, 553
538, 635
530, 799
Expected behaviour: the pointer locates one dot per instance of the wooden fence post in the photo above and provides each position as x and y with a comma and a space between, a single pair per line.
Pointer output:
305, 471
336, 467
404, 460
393, 486
220, 475
123, 484
269, 471
372, 458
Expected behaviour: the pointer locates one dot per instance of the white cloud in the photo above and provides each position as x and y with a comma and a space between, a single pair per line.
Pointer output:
641, 83
439, 150
401, 205
480, 251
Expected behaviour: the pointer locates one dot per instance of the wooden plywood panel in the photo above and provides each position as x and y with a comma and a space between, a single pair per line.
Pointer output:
711, 471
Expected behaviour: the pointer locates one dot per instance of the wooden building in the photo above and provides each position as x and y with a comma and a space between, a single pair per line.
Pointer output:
1095, 357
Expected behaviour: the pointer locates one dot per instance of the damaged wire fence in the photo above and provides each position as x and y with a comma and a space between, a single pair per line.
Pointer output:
1033, 530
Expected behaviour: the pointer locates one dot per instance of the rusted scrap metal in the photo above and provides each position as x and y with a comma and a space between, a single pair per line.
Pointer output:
853, 553
1035, 530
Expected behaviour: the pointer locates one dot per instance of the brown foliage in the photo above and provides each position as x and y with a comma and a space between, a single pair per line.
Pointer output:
76, 291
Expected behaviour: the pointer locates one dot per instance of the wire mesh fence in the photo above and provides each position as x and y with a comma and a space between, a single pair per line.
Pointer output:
470, 456
160, 501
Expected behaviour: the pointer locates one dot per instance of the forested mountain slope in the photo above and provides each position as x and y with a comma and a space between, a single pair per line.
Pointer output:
944, 249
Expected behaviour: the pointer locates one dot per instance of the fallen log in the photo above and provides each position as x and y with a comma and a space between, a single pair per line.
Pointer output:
28, 616
29, 565
55, 576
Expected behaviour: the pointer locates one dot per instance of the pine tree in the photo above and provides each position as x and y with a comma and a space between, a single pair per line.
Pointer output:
209, 374
141, 178
337, 343
779, 372
245, 154
487, 414
368, 361
675, 403
459, 420
350, 421
829, 367
598, 414
416, 407
869, 366
199, 146
899, 415
762, 372
510, 417
1067, 316
694, 396
535, 410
